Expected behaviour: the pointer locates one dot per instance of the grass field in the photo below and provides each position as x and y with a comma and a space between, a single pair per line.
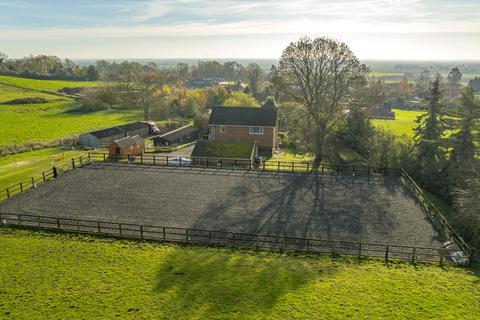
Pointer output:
402, 125
45, 122
8, 93
21, 167
49, 276
52, 85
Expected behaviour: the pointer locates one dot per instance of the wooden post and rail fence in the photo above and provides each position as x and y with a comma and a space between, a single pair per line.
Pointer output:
428, 208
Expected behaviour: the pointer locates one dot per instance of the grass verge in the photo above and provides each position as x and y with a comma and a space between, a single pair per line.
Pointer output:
46, 276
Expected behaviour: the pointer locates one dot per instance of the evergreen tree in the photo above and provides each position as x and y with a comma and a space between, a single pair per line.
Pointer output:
462, 156
429, 135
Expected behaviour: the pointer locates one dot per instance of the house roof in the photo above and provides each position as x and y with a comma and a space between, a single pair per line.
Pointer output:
177, 133
102, 133
223, 149
243, 116
129, 141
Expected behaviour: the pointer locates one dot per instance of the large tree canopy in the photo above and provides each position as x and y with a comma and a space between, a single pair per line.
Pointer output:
320, 74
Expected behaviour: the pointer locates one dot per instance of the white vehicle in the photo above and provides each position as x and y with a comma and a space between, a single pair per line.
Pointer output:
179, 161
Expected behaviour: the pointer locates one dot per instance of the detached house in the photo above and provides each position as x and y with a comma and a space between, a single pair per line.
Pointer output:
257, 125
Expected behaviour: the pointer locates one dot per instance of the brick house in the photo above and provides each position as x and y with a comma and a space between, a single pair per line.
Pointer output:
127, 146
258, 125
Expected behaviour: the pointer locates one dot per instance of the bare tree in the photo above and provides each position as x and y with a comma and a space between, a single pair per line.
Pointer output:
320, 74
149, 86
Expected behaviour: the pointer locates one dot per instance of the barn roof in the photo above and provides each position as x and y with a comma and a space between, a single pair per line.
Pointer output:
129, 141
177, 133
102, 133
243, 116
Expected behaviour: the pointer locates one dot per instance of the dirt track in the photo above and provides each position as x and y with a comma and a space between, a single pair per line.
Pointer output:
375, 210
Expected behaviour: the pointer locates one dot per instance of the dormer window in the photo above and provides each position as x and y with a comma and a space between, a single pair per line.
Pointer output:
255, 130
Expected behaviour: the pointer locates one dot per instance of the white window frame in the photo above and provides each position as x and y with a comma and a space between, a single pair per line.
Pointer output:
221, 129
256, 130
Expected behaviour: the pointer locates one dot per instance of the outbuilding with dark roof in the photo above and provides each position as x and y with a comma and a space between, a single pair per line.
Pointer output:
104, 137
177, 136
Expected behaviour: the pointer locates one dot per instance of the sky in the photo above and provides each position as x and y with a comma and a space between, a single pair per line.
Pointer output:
374, 29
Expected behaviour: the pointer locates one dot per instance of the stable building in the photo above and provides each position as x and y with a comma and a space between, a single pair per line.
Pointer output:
181, 135
104, 137
126, 146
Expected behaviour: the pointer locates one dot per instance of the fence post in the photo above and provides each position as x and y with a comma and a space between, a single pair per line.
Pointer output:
180, 161
413, 255
359, 252
55, 173
105, 158
58, 223
43, 176
233, 239
89, 157
167, 160
8, 193
98, 226
141, 232
257, 245
207, 162
308, 167
278, 166
308, 245
164, 235
442, 254
209, 237
73, 163
283, 244
293, 164
154, 157
186, 235
141, 158
33, 182
323, 168
21, 186
386, 255
333, 249
120, 228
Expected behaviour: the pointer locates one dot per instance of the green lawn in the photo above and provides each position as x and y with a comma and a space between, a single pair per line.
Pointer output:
48, 276
52, 85
402, 125
22, 166
46, 122
8, 93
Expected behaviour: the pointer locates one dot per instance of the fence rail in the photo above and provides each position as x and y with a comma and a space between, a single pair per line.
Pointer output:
279, 166
47, 175
436, 216
246, 164
335, 248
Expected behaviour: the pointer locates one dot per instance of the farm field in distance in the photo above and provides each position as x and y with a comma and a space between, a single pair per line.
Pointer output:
59, 118
402, 125
47, 275
52, 85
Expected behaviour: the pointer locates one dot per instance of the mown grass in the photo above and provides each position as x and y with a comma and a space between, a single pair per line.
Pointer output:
52, 85
30, 123
8, 93
49, 276
22, 166
403, 124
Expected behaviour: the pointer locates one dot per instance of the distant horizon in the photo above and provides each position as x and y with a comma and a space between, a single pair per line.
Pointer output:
400, 30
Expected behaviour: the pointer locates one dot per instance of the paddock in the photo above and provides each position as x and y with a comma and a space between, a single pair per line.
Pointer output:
331, 207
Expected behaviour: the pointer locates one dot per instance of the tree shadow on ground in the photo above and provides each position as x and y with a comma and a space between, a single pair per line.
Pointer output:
229, 284
300, 205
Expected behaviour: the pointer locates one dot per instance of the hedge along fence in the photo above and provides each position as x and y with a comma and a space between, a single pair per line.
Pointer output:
334, 248
447, 231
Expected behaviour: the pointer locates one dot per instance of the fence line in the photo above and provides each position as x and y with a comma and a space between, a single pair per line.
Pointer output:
280, 166
432, 212
47, 175
335, 248
247, 164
